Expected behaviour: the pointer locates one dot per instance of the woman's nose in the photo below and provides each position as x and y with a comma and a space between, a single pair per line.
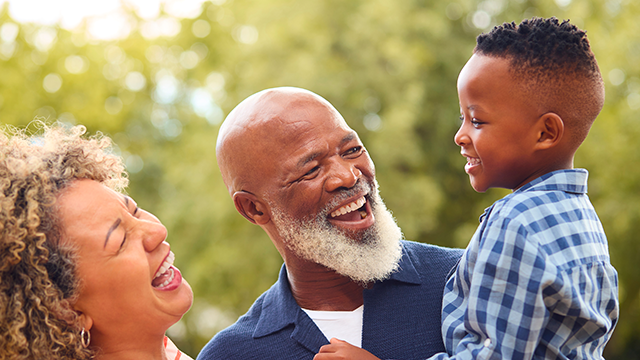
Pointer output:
153, 234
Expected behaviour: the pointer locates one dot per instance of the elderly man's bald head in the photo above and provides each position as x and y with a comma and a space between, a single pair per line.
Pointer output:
255, 128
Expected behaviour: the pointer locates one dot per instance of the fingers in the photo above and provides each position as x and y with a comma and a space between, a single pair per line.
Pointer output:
331, 348
342, 350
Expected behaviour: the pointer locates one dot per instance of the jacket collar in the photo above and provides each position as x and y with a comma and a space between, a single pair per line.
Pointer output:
279, 308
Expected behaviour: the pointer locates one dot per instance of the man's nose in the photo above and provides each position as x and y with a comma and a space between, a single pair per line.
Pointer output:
343, 175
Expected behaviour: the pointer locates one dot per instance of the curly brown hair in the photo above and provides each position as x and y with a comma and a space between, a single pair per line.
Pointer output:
38, 284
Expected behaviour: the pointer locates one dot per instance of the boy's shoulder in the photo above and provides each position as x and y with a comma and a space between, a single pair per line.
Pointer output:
552, 195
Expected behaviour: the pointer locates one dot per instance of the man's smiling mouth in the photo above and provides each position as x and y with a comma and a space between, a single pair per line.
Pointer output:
351, 207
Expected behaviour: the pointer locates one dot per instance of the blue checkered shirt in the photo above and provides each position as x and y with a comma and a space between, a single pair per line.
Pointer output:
535, 281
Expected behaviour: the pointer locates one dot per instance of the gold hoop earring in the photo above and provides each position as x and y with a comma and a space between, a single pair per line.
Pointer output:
85, 338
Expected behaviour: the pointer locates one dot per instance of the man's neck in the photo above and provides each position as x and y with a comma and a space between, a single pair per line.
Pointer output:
316, 287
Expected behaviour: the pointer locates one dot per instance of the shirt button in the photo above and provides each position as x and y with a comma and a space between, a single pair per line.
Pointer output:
487, 342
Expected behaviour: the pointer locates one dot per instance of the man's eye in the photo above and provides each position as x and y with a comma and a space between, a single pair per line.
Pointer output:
353, 150
312, 171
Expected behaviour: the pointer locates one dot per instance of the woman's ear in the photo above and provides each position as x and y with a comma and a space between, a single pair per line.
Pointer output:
249, 206
549, 130
86, 321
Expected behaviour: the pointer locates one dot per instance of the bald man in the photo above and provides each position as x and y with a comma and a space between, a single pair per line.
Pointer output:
294, 167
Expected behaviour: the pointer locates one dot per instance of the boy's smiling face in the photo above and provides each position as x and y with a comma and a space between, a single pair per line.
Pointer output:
498, 133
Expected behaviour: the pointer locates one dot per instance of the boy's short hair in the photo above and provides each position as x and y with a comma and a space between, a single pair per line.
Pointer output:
556, 65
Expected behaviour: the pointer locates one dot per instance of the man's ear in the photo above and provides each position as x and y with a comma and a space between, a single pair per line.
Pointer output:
249, 206
549, 130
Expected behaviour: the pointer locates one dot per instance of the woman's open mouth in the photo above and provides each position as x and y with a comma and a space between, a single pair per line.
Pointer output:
167, 277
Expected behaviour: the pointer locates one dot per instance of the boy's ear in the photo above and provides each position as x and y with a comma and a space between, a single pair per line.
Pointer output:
549, 130
249, 206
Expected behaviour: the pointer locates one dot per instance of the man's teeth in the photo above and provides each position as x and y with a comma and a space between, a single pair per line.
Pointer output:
349, 207
166, 264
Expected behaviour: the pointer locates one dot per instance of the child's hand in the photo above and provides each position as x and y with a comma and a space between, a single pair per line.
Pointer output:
342, 350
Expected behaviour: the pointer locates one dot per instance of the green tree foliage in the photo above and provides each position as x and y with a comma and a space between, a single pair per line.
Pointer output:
389, 67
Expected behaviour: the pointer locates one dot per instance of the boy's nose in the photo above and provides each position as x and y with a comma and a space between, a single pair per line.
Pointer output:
460, 138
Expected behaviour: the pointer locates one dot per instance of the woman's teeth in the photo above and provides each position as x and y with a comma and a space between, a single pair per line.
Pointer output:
166, 265
351, 207
169, 279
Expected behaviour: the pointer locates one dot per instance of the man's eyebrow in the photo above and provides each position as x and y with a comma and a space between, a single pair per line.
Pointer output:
304, 161
111, 229
350, 136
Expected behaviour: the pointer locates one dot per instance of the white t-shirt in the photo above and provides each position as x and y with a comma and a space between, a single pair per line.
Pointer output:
343, 325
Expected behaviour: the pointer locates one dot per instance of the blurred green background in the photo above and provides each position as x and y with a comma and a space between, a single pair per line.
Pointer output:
162, 88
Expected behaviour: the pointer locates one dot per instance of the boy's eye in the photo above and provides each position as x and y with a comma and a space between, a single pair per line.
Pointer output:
475, 122
461, 118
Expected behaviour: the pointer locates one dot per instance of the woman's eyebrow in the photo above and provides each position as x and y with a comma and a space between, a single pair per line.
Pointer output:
126, 203
111, 229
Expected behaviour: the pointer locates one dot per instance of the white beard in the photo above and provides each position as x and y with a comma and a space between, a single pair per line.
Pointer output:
373, 257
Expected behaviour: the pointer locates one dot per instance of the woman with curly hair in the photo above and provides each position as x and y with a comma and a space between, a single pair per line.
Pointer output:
84, 272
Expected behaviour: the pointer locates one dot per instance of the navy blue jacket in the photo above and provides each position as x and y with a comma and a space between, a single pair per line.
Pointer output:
401, 317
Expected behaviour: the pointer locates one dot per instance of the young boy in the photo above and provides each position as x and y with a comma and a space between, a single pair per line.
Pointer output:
535, 281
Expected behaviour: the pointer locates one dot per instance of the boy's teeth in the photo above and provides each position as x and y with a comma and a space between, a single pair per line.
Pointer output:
473, 161
349, 207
